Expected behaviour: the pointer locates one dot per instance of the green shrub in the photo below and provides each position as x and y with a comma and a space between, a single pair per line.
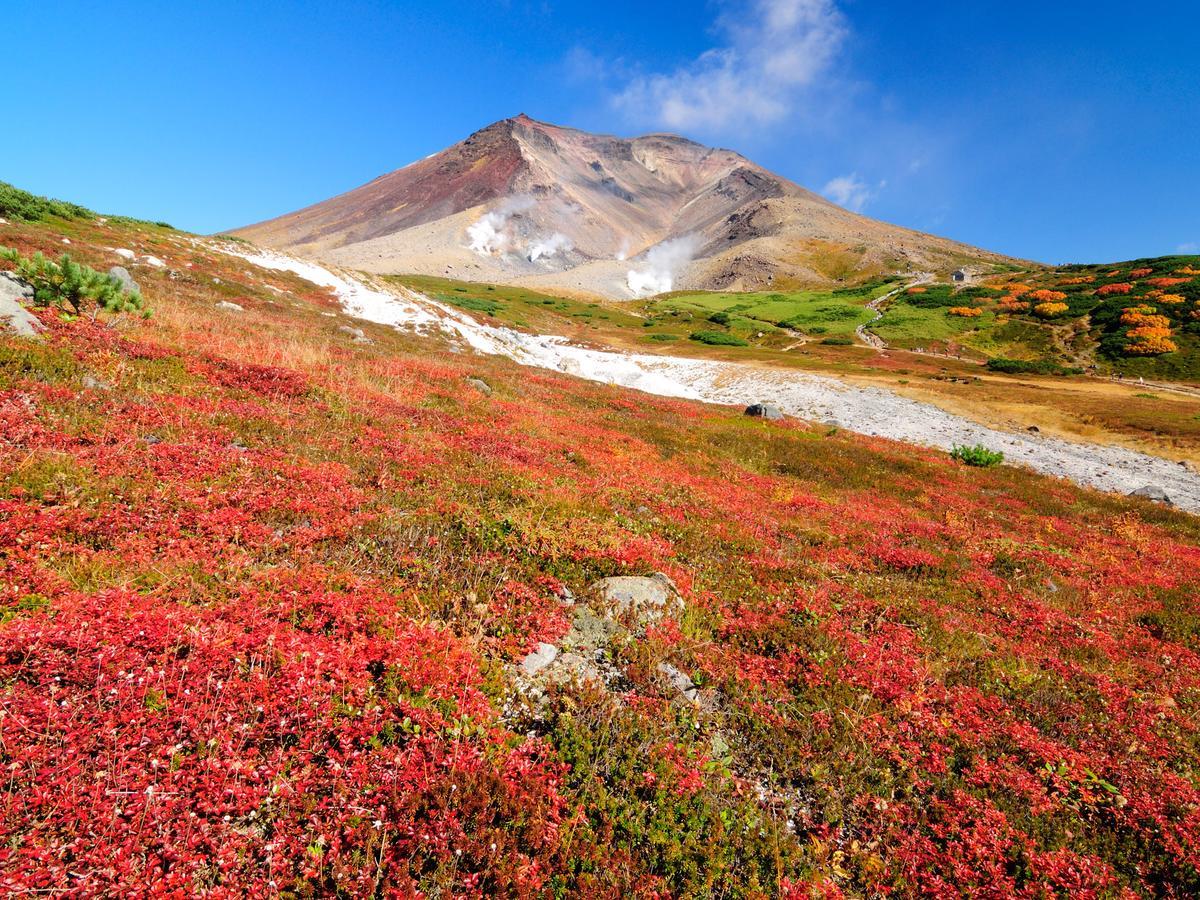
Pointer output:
1033, 367
839, 340
18, 204
978, 455
664, 337
717, 339
719, 318
71, 286
475, 304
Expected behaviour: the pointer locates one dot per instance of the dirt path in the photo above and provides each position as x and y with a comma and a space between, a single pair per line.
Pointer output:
876, 306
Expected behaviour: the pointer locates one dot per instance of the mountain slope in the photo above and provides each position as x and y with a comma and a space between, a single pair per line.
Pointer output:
268, 587
525, 201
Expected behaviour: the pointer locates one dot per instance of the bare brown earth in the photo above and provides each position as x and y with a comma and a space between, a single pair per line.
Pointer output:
613, 199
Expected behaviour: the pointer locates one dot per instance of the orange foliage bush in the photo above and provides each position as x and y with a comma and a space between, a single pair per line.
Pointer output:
917, 290
1172, 299
1012, 304
1150, 330
1017, 289
1167, 282
1044, 296
1141, 319
1151, 345
1082, 279
1050, 310
1141, 273
1110, 290
966, 312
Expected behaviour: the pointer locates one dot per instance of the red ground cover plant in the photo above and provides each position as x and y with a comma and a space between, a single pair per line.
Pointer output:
261, 618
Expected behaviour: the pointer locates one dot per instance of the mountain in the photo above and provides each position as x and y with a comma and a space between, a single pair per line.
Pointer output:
523, 201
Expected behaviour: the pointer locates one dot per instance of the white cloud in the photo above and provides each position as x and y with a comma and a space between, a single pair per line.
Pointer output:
770, 51
850, 191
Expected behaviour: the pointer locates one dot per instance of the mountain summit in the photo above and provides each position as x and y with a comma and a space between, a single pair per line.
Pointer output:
528, 202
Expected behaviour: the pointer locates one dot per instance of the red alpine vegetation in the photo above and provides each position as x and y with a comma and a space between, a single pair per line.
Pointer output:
266, 590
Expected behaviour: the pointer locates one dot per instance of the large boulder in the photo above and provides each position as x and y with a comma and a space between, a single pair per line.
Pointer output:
13, 315
122, 275
648, 599
1152, 492
764, 411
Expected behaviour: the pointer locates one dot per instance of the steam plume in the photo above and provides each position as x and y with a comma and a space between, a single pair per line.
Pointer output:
664, 261
489, 235
549, 246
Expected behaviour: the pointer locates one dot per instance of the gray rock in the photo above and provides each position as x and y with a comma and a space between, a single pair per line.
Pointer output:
230, 307
539, 658
356, 334
1152, 492
480, 385
122, 275
680, 681
764, 411
14, 316
92, 383
648, 599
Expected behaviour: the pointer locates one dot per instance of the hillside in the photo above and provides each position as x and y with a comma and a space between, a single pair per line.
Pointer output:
1137, 318
530, 203
299, 604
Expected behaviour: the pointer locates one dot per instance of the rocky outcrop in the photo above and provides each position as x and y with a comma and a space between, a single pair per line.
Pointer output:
13, 315
646, 599
764, 411
1152, 492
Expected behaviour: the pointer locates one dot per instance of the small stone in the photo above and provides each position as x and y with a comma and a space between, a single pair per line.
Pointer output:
125, 253
153, 261
1033, 429
681, 682
539, 658
92, 383
480, 385
66, 240
229, 306
764, 411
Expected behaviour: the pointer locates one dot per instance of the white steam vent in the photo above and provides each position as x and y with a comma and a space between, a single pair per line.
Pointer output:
550, 246
490, 235
657, 273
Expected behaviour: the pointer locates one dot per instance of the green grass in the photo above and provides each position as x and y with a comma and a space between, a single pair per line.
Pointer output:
904, 325
511, 305
818, 312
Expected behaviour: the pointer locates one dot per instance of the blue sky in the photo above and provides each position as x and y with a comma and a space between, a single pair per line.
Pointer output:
1059, 131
